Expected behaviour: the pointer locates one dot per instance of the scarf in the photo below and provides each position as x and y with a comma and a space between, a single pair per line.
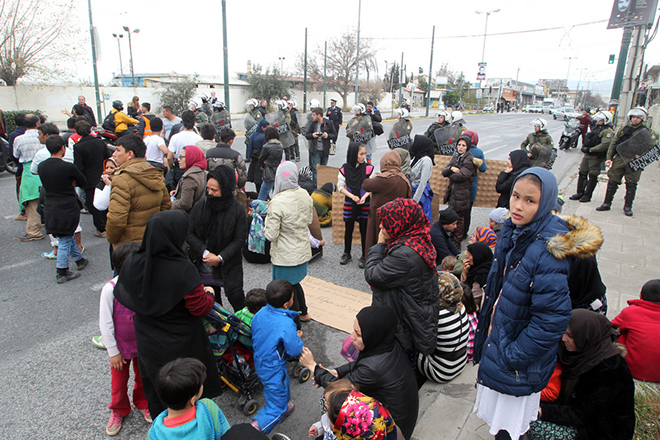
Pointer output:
354, 172
592, 334
406, 223
156, 277
362, 417
286, 177
194, 157
422, 146
217, 225
256, 236
377, 325
482, 257
390, 166
451, 291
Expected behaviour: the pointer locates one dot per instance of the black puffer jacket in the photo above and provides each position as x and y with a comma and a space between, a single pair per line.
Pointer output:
388, 378
270, 158
520, 162
460, 184
403, 281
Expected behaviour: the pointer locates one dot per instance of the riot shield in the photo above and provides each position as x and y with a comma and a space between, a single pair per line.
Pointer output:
543, 155
446, 137
640, 150
250, 125
304, 122
220, 120
399, 136
359, 129
278, 120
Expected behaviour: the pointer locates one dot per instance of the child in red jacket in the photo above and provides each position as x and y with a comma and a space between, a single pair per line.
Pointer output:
639, 324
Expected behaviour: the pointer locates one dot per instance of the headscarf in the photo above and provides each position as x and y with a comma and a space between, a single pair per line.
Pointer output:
256, 236
329, 188
195, 157
549, 191
592, 333
364, 418
286, 177
450, 291
217, 226
584, 282
378, 326
482, 257
651, 289
520, 161
156, 277
486, 235
468, 141
390, 166
354, 172
406, 223
421, 146
474, 137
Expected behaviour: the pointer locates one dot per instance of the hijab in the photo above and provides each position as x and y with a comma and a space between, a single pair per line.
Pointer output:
421, 147
482, 257
468, 141
584, 282
451, 291
406, 223
549, 192
405, 160
651, 290
486, 235
354, 172
286, 177
378, 326
520, 161
592, 333
329, 188
217, 224
195, 157
256, 235
364, 418
390, 166
156, 277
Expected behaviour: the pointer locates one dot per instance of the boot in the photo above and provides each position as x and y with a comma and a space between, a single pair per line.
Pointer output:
609, 196
64, 275
581, 184
80, 264
631, 188
589, 191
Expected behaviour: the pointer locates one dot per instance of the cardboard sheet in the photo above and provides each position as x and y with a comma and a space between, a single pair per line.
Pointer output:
333, 305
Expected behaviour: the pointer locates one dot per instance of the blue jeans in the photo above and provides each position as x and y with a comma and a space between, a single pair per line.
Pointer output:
316, 158
265, 190
67, 248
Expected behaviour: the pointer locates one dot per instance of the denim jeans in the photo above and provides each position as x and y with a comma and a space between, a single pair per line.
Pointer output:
265, 189
67, 247
316, 158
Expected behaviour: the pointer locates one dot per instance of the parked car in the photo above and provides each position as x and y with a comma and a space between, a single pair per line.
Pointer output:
566, 113
534, 109
489, 108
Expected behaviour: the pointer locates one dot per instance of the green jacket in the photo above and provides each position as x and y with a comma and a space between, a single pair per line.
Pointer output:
606, 135
542, 137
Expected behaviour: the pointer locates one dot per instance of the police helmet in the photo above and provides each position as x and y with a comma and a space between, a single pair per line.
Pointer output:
252, 102
542, 123
640, 112
313, 103
402, 111
360, 107
605, 116
457, 116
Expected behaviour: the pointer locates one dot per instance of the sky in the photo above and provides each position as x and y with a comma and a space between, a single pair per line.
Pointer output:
187, 38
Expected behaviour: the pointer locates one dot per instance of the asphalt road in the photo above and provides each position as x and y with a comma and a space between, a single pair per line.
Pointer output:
57, 385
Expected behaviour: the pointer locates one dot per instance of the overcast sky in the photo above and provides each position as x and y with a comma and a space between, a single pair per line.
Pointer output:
186, 37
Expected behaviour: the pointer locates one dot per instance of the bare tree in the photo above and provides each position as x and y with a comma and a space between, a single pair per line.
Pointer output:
341, 63
34, 36
268, 85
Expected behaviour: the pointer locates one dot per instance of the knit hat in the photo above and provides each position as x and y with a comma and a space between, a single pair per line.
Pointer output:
448, 216
498, 215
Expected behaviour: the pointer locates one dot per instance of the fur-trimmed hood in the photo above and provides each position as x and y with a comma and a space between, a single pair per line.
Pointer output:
582, 240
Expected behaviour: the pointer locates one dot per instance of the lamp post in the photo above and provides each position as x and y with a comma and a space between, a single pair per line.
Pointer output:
281, 63
567, 74
483, 50
130, 49
121, 65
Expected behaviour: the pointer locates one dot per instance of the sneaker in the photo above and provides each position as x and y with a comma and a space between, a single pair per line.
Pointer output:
305, 318
80, 264
345, 259
84, 211
361, 262
49, 255
146, 414
21, 218
97, 341
290, 408
114, 425
280, 436
99, 234
28, 237
66, 276
255, 425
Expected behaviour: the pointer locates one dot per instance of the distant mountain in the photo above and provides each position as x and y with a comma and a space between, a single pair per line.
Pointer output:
603, 88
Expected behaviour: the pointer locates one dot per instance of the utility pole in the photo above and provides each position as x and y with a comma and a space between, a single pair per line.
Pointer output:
225, 54
325, 73
121, 68
96, 75
632, 66
357, 61
428, 92
401, 81
305, 77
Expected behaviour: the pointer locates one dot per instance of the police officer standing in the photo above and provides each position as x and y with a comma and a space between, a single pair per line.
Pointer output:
618, 168
594, 146
335, 116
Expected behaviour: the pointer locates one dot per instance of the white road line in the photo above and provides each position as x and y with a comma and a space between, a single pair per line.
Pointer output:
494, 149
21, 264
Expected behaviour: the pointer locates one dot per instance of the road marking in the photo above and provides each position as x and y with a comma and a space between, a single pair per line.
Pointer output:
98, 286
21, 264
494, 149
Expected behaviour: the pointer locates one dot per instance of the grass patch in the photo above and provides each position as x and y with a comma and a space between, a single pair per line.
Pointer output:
647, 412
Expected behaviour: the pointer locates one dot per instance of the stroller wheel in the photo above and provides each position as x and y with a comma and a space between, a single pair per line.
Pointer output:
250, 407
304, 375
242, 400
298, 369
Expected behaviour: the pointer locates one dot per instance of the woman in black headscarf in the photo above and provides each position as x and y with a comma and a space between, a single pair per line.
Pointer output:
478, 259
517, 162
356, 203
382, 370
217, 230
596, 400
586, 286
160, 284
421, 163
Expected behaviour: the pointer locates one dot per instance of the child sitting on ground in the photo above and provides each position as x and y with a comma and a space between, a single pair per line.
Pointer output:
448, 263
275, 339
639, 324
179, 385
255, 300
118, 333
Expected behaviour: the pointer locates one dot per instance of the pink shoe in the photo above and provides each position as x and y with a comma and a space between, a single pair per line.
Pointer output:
147, 415
114, 425
255, 425
290, 408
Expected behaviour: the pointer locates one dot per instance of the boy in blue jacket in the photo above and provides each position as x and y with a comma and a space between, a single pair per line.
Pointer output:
275, 339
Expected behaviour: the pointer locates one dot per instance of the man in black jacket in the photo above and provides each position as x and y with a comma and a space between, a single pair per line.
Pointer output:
223, 154
320, 133
441, 235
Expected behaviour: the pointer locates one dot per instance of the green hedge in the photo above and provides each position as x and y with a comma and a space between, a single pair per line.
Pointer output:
11, 126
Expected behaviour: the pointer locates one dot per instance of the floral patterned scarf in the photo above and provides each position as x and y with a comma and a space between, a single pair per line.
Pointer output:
362, 417
256, 237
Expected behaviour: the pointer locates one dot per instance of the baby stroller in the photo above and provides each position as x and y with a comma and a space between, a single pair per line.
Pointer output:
231, 342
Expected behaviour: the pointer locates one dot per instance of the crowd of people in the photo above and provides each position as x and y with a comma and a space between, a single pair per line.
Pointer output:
523, 298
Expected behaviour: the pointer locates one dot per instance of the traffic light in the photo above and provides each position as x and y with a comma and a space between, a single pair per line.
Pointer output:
611, 59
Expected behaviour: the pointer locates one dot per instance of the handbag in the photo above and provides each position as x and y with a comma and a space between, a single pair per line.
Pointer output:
333, 148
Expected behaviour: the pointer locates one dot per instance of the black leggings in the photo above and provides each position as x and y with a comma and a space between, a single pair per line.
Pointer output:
299, 303
349, 224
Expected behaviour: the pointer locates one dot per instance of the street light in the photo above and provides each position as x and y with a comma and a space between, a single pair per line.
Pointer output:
483, 52
130, 49
281, 63
121, 67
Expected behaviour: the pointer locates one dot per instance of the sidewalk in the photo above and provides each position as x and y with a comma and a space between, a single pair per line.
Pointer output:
626, 261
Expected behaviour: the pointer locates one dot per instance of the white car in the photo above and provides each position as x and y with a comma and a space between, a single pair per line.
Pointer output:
534, 109
566, 113
489, 108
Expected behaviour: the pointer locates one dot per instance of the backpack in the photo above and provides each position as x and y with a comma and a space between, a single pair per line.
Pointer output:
109, 122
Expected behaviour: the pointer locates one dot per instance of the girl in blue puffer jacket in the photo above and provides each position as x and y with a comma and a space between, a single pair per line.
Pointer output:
525, 311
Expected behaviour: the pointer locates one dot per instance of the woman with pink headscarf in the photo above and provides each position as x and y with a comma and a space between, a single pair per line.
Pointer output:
192, 184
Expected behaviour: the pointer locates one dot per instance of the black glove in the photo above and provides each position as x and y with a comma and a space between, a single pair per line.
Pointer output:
585, 149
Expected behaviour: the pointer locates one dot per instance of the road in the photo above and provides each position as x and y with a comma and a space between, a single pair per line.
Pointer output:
57, 385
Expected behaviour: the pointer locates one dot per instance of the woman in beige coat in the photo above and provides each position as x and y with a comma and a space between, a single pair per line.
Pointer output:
290, 212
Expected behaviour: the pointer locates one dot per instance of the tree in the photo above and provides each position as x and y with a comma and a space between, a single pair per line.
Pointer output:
391, 80
268, 85
178, 94
35, 36
450, 98
341, 63
371, 91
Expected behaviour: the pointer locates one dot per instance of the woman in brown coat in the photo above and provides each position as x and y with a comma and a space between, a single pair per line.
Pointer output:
384, 187
192, 185
460, 172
